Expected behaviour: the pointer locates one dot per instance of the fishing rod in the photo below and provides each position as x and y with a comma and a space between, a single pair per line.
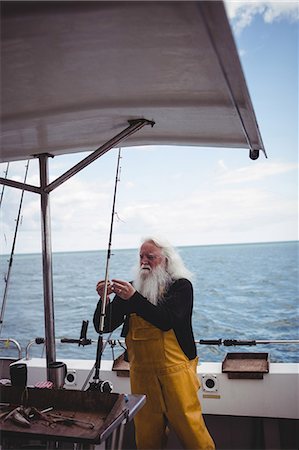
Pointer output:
235, 342
97, 384
5, 176
7, 277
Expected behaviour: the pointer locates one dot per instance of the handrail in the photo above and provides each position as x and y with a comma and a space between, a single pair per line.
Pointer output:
225, 342
234, 342
40, 340
121, 342
19, 348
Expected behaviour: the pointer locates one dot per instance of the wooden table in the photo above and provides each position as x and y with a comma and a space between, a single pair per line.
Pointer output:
101, 416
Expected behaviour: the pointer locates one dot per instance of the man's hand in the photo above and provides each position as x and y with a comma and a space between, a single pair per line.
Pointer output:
100, 288
122, 288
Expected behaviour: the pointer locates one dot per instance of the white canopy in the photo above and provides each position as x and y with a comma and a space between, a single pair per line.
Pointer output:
74, 73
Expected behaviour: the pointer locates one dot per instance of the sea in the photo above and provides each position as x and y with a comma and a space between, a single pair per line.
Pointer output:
241, 292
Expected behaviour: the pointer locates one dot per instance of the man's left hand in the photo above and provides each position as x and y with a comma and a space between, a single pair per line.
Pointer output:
122, 289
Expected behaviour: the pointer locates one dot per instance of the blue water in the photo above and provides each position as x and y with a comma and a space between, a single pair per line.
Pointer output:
246, 291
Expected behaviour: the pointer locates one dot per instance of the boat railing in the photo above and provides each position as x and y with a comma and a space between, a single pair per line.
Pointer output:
80, 342
252, 342
42, 341
224, 342
5, 361
121, 343
7, 342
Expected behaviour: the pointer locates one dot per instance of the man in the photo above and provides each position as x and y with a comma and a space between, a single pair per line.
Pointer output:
156, 310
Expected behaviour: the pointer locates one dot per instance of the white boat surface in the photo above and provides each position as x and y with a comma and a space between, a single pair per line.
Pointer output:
106, 74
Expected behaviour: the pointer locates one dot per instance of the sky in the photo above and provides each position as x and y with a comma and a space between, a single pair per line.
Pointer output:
191, 196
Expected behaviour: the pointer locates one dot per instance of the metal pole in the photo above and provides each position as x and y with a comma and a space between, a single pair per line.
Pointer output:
18, 185
231, 342
134, 125
47, 263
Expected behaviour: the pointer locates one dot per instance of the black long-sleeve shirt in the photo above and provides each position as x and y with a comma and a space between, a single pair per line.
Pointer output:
174, 311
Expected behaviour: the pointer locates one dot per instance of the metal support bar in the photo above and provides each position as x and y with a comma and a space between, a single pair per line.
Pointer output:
121, 434
134, 125
253, 152
18, 185
115, 440
47, 263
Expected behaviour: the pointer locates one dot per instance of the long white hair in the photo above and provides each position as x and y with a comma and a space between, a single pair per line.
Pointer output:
175, 266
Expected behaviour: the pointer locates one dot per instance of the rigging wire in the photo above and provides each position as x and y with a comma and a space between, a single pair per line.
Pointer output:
7, 277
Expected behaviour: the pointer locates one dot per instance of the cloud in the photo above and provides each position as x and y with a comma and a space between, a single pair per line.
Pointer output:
80, 212
241, 13
252, 173
129, 185
213, 216
237, 206
229, 204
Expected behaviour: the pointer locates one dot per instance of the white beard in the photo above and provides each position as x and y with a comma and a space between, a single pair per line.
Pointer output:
152, 283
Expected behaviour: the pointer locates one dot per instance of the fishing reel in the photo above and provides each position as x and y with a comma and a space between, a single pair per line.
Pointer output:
104, 386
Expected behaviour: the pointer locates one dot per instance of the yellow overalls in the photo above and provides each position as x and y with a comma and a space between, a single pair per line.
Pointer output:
160, 369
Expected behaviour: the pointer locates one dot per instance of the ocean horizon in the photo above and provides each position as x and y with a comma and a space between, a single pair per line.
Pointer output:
178, 247
243, 291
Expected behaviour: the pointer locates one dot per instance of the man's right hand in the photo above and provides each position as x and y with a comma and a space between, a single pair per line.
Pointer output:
100, 288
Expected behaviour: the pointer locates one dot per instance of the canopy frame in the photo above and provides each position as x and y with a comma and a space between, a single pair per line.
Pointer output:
44, 190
